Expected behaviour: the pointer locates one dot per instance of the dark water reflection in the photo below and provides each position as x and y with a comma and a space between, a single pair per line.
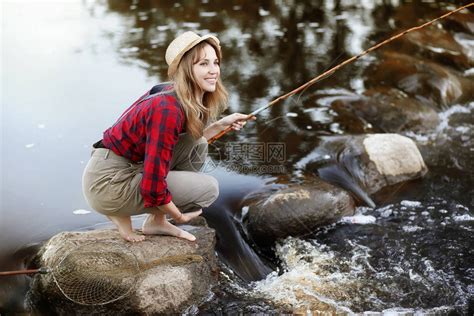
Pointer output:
69, 68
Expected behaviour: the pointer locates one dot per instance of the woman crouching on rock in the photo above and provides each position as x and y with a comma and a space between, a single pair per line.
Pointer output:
149, 160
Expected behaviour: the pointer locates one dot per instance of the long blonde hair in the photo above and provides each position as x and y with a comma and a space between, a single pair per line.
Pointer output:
199, 113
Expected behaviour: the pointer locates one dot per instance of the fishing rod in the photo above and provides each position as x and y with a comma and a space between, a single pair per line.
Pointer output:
333, 69
42, 270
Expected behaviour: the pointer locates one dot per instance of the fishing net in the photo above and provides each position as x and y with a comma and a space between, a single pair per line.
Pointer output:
97, 273
103, 272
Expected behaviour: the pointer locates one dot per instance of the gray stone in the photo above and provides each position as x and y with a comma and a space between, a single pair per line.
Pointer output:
388, 110
394, 156
297, 210
165, 286
374, 161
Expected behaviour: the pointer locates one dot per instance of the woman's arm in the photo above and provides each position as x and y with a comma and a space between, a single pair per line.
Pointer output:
212, 130
172, 210
236, 120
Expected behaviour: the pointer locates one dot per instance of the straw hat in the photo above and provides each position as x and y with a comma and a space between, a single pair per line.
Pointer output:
181, 44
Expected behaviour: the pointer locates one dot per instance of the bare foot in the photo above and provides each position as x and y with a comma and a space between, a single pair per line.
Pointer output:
186, 217
158, 225
124, 226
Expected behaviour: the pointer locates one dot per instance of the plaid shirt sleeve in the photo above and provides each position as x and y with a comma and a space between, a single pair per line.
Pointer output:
163, 123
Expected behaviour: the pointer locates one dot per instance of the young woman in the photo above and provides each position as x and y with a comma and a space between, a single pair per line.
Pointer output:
149, 160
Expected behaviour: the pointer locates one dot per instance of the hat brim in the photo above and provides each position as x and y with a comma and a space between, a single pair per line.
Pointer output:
174, 65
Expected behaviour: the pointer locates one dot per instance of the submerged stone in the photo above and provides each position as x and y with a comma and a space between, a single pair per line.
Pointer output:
461, 21
169, 275
388, 110
440, 46
297, 210
420, 79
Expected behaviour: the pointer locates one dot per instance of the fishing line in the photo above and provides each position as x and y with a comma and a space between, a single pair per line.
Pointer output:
265, 123
300, 94
334, 69
334, 61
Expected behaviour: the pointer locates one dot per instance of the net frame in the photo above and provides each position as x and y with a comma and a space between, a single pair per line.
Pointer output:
100, 273
97, 273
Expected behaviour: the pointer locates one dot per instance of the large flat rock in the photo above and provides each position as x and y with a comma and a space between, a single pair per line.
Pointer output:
172, 276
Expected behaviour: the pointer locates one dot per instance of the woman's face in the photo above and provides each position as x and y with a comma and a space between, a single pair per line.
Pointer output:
206, 70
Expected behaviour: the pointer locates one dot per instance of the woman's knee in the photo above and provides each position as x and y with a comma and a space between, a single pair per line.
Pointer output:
211, 192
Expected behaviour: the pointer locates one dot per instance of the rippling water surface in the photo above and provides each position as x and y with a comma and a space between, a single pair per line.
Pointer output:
69, 68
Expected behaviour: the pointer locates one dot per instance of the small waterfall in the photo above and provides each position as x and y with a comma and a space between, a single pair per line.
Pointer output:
231, 246
345, 173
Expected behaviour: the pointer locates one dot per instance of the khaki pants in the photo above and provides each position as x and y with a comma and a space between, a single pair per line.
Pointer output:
111, 183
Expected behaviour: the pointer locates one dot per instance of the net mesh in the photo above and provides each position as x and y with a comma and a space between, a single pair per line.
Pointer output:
97, 273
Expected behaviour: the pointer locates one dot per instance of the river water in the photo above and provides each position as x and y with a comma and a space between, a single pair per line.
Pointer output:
69, 68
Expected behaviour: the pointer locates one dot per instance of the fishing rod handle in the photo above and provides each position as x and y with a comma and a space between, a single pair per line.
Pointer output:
219, 135
19, 272
42, 270
225, 131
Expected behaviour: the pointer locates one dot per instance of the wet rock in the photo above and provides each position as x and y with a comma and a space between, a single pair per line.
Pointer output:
421, 79
461, 21
467, 42
318, 113
368, 163
388, 110
168, 285
297, 210
390, 159
439, 45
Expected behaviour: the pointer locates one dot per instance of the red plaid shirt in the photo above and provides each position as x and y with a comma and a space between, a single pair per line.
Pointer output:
148, 131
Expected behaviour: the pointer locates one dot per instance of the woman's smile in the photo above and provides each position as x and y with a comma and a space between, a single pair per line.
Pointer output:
207, 70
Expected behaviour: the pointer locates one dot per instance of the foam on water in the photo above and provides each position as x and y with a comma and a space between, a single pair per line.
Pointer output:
445, 126
445, 116
385, 211
353, 276
410, 203
312, 279
463, 218
358, 219
410, 229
